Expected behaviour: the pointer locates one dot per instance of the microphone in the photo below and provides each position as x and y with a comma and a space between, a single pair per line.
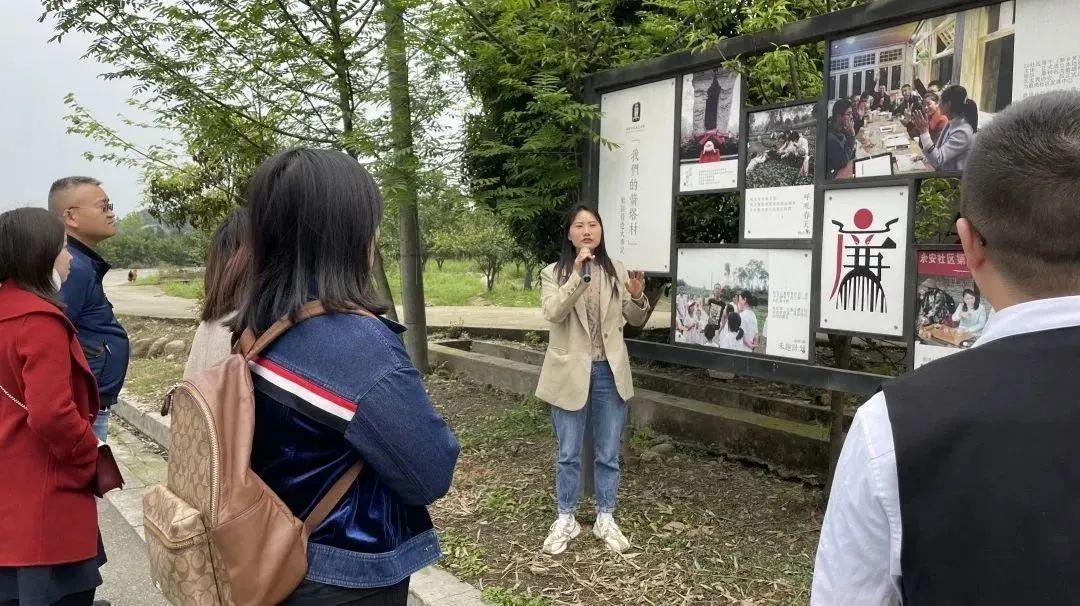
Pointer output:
586, 276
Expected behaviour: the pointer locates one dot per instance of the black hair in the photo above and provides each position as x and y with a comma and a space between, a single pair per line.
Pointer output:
228, 266
734, 324
314, 218
30, 241
1020, 189
973, 292
960, 105
932, 96
565, 264
749, 297
838, 109
935, 83
904, 86
62, 185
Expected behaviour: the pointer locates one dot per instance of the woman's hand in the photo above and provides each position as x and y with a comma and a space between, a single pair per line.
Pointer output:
584, 255
921, 124
635, 285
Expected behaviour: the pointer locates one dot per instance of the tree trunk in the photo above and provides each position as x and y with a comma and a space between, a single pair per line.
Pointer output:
382, 285
529, 268
403, 173
439, 262
841, 346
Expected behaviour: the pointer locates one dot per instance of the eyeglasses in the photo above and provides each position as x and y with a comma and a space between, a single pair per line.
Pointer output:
105, 208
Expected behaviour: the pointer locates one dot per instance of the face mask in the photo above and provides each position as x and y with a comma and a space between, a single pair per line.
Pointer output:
56, 281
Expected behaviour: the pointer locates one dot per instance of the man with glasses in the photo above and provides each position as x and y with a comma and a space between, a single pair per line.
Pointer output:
89, 219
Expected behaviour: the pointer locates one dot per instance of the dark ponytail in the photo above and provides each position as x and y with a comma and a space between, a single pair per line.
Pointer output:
734, 323
959, 104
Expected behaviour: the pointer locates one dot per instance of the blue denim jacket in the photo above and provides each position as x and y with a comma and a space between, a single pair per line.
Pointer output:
335, 389
103, 340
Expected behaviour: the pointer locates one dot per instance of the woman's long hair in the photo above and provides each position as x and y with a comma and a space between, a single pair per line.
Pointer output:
315, 214
974, 293
30, 241
734, 323
565, 265
228, 267
959, 105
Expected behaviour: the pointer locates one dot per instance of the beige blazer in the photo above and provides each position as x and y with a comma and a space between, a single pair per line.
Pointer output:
564, 378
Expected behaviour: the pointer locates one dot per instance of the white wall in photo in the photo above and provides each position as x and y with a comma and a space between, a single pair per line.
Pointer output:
635, 177
779, 213
863, 260
1047, 55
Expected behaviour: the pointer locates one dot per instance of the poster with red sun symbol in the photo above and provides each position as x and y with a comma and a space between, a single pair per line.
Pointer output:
864, 260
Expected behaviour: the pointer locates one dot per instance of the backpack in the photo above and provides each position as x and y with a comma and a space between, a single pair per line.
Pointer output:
216, 533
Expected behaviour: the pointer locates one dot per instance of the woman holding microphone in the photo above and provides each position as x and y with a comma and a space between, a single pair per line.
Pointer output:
587, 297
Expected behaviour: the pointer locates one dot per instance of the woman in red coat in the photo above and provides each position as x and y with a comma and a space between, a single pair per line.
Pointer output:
49, 546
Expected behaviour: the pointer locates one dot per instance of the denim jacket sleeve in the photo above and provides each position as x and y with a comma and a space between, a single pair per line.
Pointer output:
399, 434
74, 292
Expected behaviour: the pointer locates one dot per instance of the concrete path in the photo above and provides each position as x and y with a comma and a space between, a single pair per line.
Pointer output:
150, 302
145, 301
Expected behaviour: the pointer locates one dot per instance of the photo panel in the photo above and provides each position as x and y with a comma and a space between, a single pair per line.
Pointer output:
1046, 53
710, 118
893, 103
863, 260
950, 312
745, 300
781, 148
635, 176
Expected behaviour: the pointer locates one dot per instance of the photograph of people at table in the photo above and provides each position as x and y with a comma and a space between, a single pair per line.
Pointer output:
950, 312
911, 97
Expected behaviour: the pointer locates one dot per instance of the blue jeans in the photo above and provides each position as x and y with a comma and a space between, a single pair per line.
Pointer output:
605, 410
101, 423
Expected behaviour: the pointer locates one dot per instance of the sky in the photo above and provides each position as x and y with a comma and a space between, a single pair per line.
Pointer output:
35, 75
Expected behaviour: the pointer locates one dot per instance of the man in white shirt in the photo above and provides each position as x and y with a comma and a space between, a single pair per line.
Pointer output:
958, 483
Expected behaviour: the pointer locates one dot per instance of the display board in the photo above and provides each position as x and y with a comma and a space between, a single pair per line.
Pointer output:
950, 312
828, 184
710, 124
745, 300
864, 247
635, 176
781, 147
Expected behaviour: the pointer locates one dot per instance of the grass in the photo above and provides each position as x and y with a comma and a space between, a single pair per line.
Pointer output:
460, 283
152, 379
506, 597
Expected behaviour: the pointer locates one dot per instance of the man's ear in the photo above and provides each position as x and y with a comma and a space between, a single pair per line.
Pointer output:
69, 219
973, 243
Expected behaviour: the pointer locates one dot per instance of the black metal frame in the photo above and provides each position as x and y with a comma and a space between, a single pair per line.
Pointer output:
867, 18
744, 152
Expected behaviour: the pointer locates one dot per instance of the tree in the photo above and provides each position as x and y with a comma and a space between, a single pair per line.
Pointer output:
252, 76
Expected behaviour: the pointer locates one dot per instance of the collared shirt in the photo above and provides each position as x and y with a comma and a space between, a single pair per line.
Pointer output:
592, 313
858, 558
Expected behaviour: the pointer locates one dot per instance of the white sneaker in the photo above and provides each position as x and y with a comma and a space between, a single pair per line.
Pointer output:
608, 532
560, 535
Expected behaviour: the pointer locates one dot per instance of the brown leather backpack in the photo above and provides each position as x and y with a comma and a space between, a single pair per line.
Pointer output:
216, 533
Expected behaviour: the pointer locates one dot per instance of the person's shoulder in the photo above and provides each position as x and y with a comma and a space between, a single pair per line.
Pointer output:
549, 269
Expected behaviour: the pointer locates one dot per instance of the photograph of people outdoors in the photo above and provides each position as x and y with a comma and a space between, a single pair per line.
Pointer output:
781, 147
911, 98
950, 311
709, 137
722, 298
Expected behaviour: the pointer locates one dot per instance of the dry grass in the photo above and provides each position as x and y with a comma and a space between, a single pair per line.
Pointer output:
704, 530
